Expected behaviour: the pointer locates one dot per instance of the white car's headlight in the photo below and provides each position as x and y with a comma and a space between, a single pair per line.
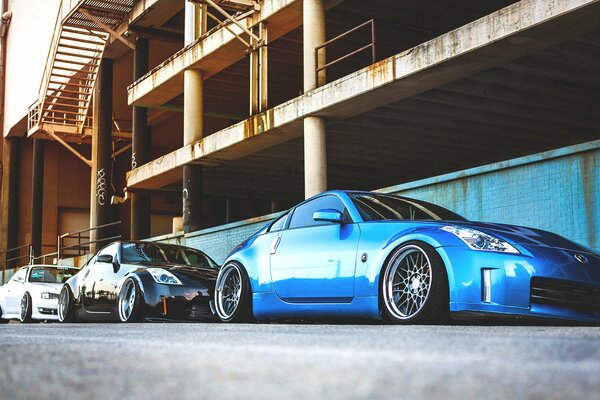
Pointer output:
477, 240
48, 295
163, 276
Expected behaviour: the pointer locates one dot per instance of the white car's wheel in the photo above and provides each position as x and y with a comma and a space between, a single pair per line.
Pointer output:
2, 321
26, 308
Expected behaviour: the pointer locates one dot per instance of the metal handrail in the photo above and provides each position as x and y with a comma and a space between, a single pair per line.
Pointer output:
81, 247
371, 46
83, 241
27, 258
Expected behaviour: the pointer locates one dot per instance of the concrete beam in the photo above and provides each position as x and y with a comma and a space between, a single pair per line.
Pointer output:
510, 33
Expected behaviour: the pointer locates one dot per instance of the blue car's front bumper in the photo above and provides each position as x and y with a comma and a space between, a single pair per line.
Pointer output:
563, 287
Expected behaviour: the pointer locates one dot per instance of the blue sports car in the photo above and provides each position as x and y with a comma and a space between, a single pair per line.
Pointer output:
371, 255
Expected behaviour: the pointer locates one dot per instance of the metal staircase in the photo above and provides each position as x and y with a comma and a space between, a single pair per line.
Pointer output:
82, 31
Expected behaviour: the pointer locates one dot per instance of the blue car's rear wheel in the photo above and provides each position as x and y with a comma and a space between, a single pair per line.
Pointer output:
233, 301
414, 286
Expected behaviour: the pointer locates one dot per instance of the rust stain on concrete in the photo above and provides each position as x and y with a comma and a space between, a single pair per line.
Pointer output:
259, 123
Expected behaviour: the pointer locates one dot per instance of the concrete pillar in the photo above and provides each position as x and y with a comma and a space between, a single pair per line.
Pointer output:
141, 149
315, 150
37, 196
9, 200
102, 153
193, 121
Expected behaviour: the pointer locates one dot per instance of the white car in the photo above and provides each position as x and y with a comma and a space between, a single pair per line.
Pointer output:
32, 292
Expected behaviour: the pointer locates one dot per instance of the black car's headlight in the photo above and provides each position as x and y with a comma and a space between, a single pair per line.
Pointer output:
477, 240
163, 276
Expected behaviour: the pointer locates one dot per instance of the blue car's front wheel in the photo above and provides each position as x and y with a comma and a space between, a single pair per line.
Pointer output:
233, 294
414, 285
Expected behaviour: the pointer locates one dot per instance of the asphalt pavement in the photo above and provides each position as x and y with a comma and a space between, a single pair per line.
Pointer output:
298, 361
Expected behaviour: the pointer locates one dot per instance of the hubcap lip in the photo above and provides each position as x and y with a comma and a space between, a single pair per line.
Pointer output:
409, 290
228, 291
127, 301
62, 304
24, 307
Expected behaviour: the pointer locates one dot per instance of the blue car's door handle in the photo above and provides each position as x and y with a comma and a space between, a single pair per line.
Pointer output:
275, 244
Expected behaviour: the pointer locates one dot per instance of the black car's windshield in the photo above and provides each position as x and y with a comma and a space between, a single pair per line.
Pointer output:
161, 253
378, 207
51, 274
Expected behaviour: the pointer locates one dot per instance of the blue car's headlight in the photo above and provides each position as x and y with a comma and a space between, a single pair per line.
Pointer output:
477, 240
163, 276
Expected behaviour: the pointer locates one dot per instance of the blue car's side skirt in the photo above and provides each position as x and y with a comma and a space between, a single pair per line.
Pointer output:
267, 305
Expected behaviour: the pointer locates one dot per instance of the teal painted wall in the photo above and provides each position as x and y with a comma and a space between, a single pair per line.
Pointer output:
557, 191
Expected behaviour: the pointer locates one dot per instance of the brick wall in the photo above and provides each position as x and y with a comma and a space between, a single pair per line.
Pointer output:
557, 191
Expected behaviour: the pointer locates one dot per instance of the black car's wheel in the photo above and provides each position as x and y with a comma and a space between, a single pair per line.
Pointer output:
25, 315
233, 301
66, 305
130, 302
414, 286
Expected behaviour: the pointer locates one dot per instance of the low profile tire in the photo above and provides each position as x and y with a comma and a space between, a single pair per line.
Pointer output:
414, 286
233, 296
130, 302
66, 305
2, 321
25, 316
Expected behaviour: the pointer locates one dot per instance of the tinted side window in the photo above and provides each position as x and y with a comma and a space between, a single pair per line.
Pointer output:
19, 277
279, 223
303, 214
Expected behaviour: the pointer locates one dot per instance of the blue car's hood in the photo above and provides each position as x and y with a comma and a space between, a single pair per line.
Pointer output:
526, 236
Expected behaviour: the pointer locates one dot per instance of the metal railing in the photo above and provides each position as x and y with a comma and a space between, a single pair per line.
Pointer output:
79, 243
71, 244
371, 45
23, 255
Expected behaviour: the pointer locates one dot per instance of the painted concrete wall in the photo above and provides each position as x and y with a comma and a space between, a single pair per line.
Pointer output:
28, 42
557, 191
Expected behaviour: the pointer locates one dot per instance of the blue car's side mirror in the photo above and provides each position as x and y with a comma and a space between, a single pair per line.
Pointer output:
329, 216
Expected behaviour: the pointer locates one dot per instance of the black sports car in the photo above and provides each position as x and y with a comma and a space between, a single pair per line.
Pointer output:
133, 281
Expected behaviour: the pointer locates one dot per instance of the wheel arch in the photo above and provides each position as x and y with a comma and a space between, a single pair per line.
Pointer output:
393, 245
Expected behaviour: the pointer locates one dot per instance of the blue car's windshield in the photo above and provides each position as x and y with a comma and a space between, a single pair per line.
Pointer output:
379, 207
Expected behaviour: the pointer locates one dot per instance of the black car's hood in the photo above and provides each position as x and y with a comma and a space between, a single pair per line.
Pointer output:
527, 236
179, 270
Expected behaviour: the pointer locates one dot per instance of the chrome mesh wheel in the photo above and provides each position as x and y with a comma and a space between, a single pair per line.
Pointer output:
407, 282
228, 291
